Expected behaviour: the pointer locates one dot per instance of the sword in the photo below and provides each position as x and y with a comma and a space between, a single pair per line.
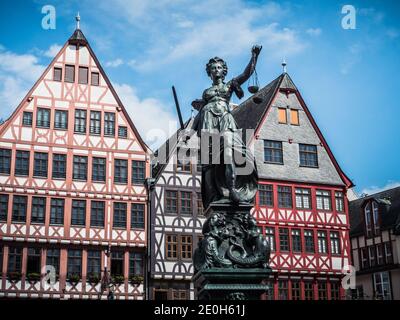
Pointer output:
178, 109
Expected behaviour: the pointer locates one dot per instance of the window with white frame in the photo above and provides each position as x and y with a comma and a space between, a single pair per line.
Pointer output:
339, 201
382, 286
375, 216
303, 198
388, 253
270, 235
324, 200
322, 247
371, 255
335, 242
368, 221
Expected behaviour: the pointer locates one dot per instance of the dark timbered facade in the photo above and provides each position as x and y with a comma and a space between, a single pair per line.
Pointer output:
375, 244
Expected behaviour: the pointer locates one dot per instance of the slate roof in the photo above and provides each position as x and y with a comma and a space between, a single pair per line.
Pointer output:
158, 168
249, 114
389, 211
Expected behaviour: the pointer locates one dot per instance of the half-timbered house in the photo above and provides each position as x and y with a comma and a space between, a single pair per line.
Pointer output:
301, 206
176, 218
375, 245
72, 196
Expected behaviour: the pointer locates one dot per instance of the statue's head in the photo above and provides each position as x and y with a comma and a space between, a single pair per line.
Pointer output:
215, 220
216, 68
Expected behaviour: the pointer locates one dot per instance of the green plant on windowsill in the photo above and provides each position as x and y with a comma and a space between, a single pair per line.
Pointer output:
33, 276
136, 279
74, 278
118, 279
14, 275
93, 278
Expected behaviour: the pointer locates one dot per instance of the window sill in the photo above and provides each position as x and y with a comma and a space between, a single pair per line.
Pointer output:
137, 228
97, 227
119, 228
61, 129
56, 224
312, 167
278, 163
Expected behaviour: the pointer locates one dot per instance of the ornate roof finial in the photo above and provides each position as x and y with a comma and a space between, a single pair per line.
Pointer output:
284, 65
77, 18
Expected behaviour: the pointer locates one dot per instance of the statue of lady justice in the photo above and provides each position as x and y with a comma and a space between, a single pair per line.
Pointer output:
222, 182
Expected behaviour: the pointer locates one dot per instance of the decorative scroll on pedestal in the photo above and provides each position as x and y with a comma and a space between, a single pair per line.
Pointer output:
231, 241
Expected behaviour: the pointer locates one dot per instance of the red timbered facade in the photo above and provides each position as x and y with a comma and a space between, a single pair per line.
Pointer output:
301, 206
72, 192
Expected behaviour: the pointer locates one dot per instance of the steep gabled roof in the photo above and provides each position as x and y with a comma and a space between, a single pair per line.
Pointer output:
168, 149
114, 93
389, 211
77, 38
250, 115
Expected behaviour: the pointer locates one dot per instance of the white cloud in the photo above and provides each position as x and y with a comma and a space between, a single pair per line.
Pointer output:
25, 66
53, 50
228, 37
186, 29
114, 63
372, 13
150, 116
314, 31
375, 189
18, 72
353, 56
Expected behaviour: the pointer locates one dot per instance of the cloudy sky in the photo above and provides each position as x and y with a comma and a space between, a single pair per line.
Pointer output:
348, 78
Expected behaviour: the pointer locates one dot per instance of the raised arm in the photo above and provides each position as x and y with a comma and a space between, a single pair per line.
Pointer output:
248, 71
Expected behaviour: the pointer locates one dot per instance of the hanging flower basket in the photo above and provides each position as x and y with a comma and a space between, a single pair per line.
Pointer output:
33, 276
93, 278
136, 279
74, 278
118, 279
14, 276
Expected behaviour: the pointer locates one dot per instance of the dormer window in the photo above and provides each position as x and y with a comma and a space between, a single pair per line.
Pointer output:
375, 215
371, 218
367, 217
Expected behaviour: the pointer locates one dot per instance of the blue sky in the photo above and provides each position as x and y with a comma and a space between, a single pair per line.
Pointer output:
348, 78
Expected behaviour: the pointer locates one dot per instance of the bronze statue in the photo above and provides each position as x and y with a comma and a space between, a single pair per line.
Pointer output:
231, 261
220, 181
